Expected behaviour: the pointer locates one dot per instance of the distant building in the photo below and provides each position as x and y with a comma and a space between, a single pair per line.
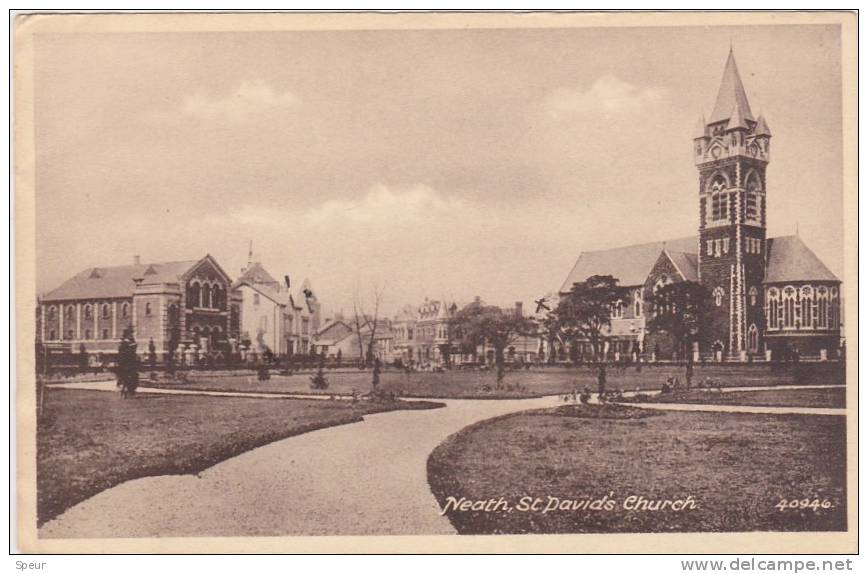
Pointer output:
339, 337
188, 304
273, 317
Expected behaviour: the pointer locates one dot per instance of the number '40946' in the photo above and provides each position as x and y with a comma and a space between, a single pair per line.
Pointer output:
802, 504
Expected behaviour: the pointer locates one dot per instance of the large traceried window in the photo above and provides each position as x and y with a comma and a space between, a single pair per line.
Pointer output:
752, 197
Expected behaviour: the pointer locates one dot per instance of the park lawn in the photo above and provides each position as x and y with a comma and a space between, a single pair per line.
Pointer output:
472, 384
826, 398
736, 468
88, 441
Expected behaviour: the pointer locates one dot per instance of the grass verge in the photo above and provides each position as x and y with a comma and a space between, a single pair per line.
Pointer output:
825, 398
88, 441
583, 467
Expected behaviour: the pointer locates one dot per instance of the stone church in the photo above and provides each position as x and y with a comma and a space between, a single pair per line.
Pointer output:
771, 296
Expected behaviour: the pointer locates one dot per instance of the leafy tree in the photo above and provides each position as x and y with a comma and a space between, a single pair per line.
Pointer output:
477, 324
584, 314
682, 310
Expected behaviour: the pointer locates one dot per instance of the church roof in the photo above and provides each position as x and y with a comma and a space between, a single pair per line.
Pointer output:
762, 128
736, 119
118, 281
686, 263
699, 130
629, 265
789, 259
731, 95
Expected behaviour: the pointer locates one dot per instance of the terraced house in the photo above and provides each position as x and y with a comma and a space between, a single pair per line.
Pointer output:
771, 296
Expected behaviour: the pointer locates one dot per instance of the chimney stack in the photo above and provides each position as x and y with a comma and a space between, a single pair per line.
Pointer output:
136, 260
519, 309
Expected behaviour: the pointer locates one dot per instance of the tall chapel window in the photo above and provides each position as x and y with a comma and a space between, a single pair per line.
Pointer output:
789, 308
774, 305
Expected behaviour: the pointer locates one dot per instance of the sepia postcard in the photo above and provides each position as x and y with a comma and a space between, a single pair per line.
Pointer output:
433, 282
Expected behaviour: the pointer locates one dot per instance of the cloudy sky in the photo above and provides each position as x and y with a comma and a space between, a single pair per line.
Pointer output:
441, 163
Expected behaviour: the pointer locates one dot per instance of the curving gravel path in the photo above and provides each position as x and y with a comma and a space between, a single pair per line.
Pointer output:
357, 479
363, 478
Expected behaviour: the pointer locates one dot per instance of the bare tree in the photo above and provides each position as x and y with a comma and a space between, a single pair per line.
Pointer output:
361, 321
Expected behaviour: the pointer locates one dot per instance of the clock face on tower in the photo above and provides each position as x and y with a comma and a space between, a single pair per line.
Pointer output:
715, 152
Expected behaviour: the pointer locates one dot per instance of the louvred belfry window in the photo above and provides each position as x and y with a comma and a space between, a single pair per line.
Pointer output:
752, 211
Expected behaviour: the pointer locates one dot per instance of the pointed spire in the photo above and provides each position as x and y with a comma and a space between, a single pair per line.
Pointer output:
736, 120
699, 131
762, 128
731, 94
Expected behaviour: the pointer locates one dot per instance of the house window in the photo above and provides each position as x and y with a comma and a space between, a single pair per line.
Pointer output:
105, 311
105, 333
52, 335
87, 334
70, 311
69, 334
709, 246
617, 310
718, 296
88, 312
256, 298
147, 309
752, 295
717, 247
52, 311
637, 304
125, 310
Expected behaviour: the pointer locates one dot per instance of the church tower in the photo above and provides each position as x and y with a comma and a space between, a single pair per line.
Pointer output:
731, 152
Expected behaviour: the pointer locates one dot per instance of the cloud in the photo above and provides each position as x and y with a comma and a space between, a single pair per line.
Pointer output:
243, 103
608, 95
383, 204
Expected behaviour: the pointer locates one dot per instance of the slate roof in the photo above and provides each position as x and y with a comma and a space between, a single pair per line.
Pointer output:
687, 264
114, 282
789, 259
731, 95
630, 265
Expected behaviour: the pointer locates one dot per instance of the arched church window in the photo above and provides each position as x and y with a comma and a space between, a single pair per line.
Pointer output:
719, 199
773, 308
70, 310
206, 296
789, 308
193, 294
752, 296
718, 296
754, 187
822, 308
753, 339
